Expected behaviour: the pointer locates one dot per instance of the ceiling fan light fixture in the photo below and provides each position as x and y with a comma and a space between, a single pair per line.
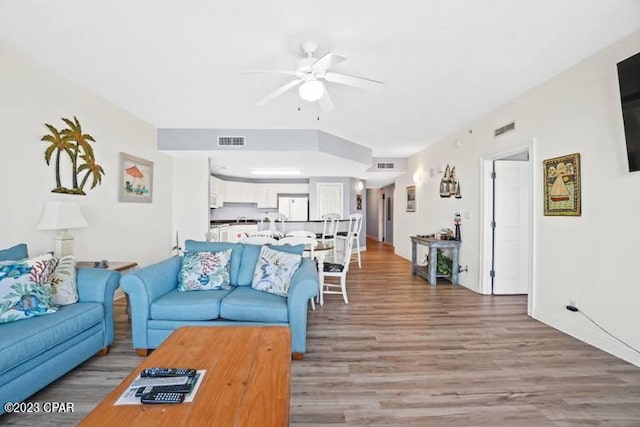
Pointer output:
311, 90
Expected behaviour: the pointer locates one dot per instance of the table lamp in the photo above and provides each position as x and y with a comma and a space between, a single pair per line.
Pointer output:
62, 216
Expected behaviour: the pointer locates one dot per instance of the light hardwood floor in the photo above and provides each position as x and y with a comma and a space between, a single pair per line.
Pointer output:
405, 353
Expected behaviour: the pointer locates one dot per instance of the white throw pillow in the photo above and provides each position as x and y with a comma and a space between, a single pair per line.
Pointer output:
63, 281
274, 271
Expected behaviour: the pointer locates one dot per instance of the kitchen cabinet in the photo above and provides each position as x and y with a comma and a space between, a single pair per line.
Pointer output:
265, 195
217, 192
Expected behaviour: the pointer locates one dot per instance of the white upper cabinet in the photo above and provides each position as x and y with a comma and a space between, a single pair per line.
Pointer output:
265, 195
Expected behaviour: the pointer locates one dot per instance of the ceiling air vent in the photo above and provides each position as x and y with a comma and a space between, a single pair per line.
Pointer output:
231, 141
504, 129
385, 165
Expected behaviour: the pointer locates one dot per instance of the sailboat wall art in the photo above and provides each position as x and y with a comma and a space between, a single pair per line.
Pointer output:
562, 193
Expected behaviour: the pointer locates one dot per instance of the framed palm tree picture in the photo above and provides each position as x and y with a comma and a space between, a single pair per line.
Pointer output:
136, 179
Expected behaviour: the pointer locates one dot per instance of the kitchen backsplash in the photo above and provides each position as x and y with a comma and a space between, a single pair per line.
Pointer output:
236, 210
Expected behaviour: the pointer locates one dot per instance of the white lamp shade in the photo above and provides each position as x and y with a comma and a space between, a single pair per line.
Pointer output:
59, 215
311, 91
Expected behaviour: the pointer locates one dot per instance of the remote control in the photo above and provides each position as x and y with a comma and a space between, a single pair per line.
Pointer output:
167, 372
181, 388
162, 398
151, 381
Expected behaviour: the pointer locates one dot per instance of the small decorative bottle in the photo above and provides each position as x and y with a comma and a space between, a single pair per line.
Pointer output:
456, 220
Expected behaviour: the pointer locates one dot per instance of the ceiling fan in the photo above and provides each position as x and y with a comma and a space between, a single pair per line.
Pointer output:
310, 73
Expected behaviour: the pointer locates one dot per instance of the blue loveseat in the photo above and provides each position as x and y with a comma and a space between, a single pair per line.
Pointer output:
158, 308
36, 351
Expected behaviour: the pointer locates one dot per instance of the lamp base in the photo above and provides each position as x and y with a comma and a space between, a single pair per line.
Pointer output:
63, 244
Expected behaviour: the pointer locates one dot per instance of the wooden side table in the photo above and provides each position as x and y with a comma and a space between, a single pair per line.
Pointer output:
430, 272
119, 266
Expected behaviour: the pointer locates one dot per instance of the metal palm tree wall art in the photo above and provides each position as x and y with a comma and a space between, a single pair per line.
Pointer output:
76, 144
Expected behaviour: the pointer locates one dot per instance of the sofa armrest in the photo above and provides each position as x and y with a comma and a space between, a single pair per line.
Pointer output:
144, 286
99, 285
304, 286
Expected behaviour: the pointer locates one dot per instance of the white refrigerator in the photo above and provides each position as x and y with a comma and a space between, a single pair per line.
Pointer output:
295, 208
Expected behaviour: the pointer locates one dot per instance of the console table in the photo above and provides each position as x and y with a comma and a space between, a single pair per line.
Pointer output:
430, 271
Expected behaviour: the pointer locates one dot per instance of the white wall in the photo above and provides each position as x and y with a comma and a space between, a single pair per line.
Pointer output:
32, 95
589, 259
191, 196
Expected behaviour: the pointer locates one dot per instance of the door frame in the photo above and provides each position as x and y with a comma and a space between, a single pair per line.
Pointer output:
486, 214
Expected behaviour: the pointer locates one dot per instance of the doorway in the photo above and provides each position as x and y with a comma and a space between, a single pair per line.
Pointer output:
507, 232
386, 214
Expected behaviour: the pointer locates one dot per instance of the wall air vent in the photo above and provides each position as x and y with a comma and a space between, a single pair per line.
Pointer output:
504, 129
231, 141
385, 165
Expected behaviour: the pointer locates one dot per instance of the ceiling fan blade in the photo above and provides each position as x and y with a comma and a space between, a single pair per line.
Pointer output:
326, 103
360, 82
327, 61
273, 95
288, 72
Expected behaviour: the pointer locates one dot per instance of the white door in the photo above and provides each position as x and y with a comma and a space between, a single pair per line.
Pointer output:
329, 198
511, 244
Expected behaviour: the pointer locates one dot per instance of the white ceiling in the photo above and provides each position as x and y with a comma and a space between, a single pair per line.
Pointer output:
178, 64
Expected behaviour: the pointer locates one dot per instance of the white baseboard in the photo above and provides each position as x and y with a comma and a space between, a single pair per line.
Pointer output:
581, 328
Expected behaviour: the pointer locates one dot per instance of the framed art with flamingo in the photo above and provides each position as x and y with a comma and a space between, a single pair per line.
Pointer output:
136, 179
562, 186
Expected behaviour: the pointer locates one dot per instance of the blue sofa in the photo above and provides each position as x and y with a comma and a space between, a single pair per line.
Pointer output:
35, 352
158, 308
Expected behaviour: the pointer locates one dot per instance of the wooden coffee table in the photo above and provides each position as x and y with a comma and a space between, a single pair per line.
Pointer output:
247, 382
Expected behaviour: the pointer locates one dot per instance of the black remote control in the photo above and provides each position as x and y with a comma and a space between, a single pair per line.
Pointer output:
167, 372
181, 388
162, 398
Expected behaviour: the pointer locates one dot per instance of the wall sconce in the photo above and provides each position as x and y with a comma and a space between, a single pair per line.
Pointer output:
417, 177
360, 186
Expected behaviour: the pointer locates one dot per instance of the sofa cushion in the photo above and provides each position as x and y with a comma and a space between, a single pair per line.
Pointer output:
250, 259
176, 305
24, 340
274, 271
236, 254
63, 280
14, 253
25, 288
204, 271
247, 304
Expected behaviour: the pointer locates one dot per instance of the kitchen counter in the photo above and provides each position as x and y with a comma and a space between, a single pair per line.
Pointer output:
217, 222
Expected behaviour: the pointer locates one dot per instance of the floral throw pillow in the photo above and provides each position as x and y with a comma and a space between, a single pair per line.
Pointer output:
204, 271
63, 281
274, 271
25, 289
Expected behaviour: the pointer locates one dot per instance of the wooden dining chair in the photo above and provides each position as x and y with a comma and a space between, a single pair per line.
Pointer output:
337, 270
329, 230
354, 229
